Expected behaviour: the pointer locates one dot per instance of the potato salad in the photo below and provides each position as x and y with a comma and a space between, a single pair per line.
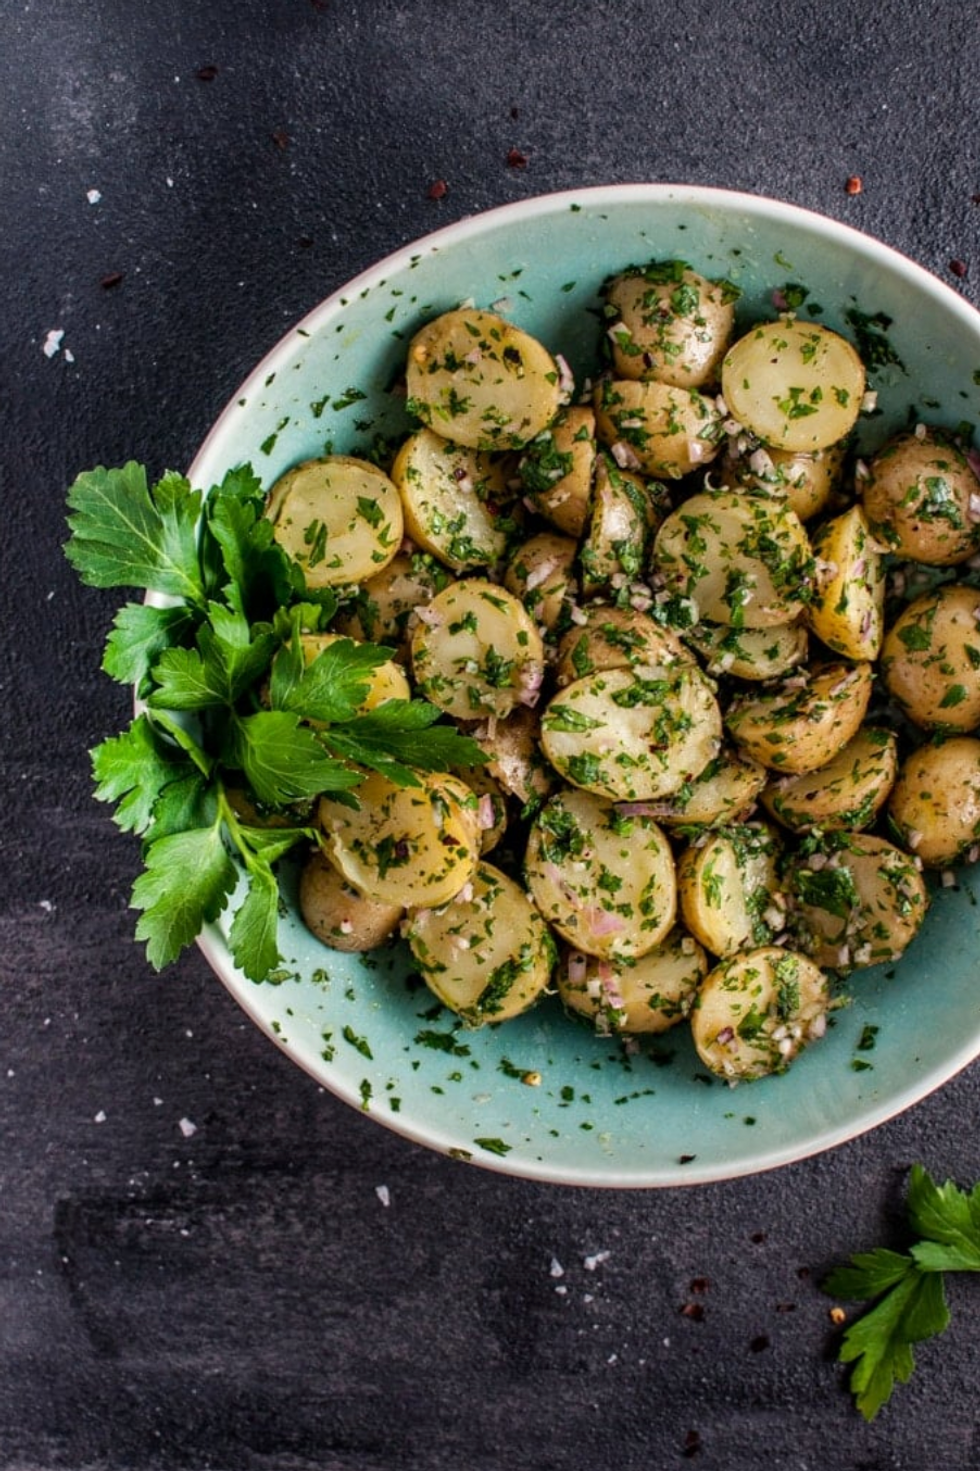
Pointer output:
723, 669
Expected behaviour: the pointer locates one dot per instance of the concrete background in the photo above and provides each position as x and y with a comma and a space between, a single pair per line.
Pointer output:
241, 1298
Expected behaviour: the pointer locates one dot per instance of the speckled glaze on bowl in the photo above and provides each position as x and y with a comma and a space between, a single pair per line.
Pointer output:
360, 1025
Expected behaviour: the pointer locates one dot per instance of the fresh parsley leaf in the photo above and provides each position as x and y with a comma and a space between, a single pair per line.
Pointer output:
403, 733
879, 1344
332, 686
949, 1221
186, 882
252, 937
228, 659
125, 535
140, 633
907, 1289
132, 769
284, 761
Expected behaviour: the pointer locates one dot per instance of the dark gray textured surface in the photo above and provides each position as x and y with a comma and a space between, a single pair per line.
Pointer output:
241, 1298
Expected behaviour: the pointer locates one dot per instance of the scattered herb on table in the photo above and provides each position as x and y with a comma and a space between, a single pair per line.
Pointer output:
907, 1289
237, 734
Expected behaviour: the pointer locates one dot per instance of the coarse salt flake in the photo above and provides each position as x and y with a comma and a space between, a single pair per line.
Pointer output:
93, 196
187, 1128
53, 341
101, 1116
383, 1194
556, 1269
591, 1262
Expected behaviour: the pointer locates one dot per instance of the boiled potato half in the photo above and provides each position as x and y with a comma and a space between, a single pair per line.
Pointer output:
669, 323
487, 955
922, 499
338, 517
647, 994
480, 381
795, 385
604, 880
757, 1010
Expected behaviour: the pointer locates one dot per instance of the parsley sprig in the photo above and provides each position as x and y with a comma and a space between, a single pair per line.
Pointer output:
907, 1288
236, 734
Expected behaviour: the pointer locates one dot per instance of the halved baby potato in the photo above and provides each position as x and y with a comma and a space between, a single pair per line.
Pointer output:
338, 914
934, 805
729, 888
556, 469
633, 734
931, 659
338, 517
724, 792
807, 482
487, 954
669, 323
860, 905
806, 720
606, 636
383, 606
645, 994
847, 609
922, 499
605, 881
541, 572
454, 500
480, 381
404, 845
847, 793
477, 651
624, 513
757, 1010
744, 559
754, 654
657, 429
796, 385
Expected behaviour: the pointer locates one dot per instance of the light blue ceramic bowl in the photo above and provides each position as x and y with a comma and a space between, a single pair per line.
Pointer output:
361, 1026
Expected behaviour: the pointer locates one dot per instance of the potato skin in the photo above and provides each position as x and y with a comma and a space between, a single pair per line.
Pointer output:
931, 659
922, 499
934, 805
337, 914
669, 323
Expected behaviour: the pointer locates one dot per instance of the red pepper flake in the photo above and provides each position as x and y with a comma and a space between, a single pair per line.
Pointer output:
700, 1284
685, 1159
958, 268
975, 198
853, 185
207, 73
694, 1311
305, 242
692, 1444
281, 139
438, 189
803, 1273
114, 278
760, 1343
516, 159
757, 1238
515, 114
786, 1307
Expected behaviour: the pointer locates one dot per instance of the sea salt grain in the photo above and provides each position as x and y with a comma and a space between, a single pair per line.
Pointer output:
187, 1128
383, 1194
591, 1262
53, 341
93, 196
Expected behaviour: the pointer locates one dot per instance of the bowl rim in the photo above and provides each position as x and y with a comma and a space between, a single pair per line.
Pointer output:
211, 942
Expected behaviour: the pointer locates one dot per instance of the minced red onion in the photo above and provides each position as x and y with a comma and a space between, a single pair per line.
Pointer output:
577, 967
